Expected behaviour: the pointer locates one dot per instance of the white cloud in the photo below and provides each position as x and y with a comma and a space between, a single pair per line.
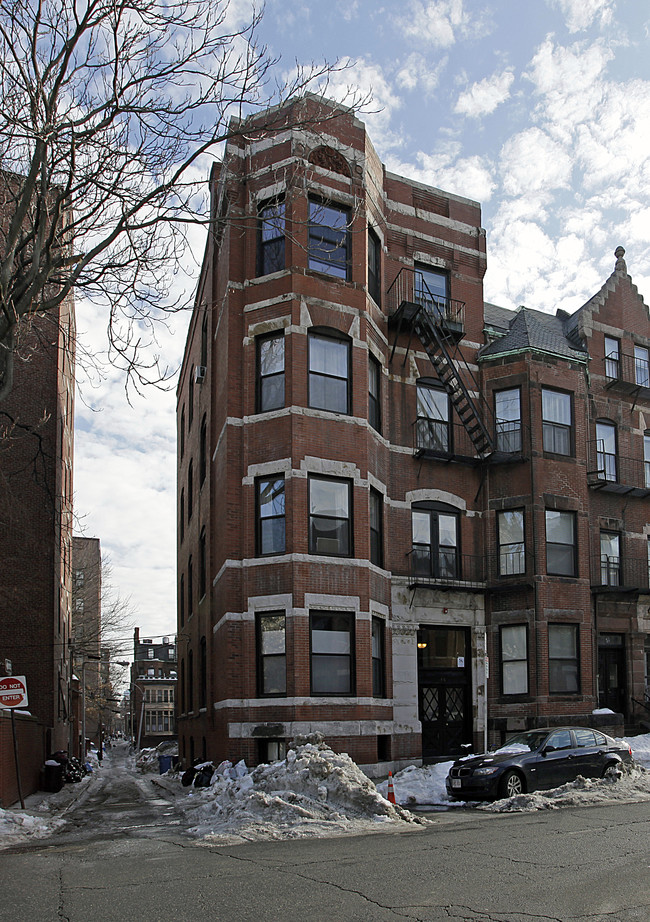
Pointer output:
580, 14
419, 73
437, 22
483, 98
531, 161
470, 177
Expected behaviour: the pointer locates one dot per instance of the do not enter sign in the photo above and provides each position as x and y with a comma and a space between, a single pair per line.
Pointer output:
13, 691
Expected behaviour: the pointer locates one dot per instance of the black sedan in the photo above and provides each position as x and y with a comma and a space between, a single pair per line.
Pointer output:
535, 760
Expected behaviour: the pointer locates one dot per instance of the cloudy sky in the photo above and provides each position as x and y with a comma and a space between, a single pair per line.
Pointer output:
538, 109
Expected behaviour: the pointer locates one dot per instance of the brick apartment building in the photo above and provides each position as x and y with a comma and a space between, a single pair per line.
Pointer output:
90, 662
36, 463
152, 717
382, 479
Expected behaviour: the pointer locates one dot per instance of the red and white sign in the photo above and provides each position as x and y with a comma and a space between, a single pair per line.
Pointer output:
13, 691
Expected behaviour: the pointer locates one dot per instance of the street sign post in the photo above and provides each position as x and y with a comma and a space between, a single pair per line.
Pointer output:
13, 694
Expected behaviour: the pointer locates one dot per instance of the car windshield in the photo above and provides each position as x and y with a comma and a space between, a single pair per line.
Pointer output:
524, 741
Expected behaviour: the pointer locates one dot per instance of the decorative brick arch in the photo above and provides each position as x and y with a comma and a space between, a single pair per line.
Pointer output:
330, 159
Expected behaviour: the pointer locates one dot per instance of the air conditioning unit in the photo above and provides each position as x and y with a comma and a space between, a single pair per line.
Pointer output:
200, 372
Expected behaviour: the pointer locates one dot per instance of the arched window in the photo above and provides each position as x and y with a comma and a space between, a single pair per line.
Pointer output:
435, 540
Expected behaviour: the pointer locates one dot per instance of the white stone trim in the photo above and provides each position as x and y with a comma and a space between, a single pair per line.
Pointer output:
329, 728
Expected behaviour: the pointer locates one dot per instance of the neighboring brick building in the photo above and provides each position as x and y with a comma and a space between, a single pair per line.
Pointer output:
87, 629
378, 474
153, 691
36, 460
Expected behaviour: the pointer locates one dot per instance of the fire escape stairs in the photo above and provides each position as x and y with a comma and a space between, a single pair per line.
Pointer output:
437, 345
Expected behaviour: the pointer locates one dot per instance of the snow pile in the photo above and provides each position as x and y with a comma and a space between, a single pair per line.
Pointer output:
15, 826
424, 786
631, 786
313, 792
147, 759
640, 746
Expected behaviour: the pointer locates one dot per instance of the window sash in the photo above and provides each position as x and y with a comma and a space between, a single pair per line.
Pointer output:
271, 515
560, 543
376, 530
328, 239
329, 364
271, 238
374, 406
512, 557
641, 366
378, 647
271, 639
332, 646
507, 409
514, 660
563, 658
270, 373
556, 422
612, 357
329, 517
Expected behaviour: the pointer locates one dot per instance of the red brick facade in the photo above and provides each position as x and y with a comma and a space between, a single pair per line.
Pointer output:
296, 612
36, 458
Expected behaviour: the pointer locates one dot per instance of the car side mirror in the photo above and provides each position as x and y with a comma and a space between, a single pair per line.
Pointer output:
547, 749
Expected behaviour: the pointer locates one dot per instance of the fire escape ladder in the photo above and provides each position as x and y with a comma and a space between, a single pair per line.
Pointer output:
436, 344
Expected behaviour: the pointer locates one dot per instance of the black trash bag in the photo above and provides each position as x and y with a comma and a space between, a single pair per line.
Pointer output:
204, 776
188, 777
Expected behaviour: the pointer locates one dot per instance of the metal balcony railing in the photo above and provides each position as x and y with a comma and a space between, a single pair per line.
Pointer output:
437, 438
614, 473
624, 370
443, 568
410, 288
620, 573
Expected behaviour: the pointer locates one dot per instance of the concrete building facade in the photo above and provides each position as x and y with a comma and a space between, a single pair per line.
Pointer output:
385, 514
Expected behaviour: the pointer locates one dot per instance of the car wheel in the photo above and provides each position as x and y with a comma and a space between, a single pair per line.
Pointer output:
612, 771
511, 784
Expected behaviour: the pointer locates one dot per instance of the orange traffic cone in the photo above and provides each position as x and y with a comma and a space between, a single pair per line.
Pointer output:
391, 789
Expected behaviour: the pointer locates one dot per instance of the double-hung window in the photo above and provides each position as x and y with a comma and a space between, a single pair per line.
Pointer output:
270, 372
374, 266
646, 456
329, 373
432, 426
378, 659
435, 544
610, 558
329, 239
271, 653
332, 653
431, 290
606, 450
271, 238
512, 555
507, 410
374, 393
612, 358
563, 667
514, 659
330, 521
642, 366
270, 515
376, 528
557, 421
560, 543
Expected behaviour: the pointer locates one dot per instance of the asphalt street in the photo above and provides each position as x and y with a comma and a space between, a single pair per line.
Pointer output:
124, 855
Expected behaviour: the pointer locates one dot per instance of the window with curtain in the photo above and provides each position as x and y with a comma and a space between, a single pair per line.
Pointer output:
560, 543
610, 558
329, 373
563, 666
556, 421
332, 653
272, 653
514, 659
330, 527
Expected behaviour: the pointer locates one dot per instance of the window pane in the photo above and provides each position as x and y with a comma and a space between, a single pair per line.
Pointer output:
559, 527
432, 403
447, 530
507, 404
329, 497
511, 527
272, 393
330, 675
330, 641
328, 356
329, 536
563, 677
328, 393
515, 678
641, 366
271, 497
560, 560
513, 642
421, 528
562, 641
274, 675
272, 355
272, 535
556, 407
272, 221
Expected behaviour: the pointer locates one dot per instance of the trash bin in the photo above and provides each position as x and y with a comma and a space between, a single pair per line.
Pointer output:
52, 776
164, 764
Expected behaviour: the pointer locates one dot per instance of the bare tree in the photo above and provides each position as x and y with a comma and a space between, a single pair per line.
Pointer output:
106, 107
